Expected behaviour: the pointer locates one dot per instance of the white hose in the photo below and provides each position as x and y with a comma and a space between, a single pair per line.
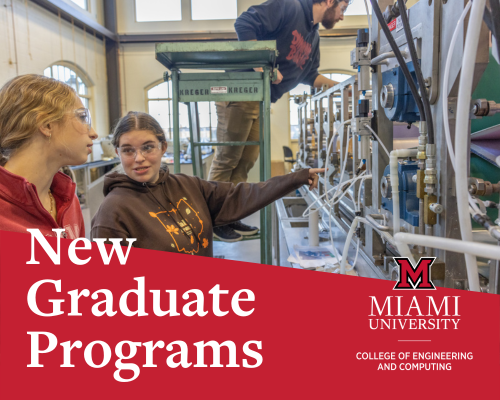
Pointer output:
393, 165
369, 30
380, 59
458, 246
462, 135
378, 139
305, 214
445, 84
347, 243
350, 235
445, 103
332, 141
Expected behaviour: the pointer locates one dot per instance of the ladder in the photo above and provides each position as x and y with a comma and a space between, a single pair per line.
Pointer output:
236, 82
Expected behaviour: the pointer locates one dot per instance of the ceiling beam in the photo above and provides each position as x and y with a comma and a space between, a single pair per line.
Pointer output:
81, 19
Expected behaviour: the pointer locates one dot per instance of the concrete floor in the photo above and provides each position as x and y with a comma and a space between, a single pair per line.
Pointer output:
247, 250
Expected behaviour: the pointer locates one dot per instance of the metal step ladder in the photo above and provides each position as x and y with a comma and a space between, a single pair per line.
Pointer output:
236, 82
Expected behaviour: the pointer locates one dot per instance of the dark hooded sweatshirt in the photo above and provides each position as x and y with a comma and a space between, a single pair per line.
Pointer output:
177, 212
291, 24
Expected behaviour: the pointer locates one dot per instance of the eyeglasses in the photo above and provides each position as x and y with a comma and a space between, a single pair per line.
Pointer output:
83, 114
145, 149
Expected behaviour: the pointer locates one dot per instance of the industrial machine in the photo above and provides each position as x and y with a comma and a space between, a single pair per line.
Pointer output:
395, 140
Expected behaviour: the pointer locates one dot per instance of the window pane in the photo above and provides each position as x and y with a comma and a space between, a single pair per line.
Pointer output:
294, 112
158, 10
82, 88
300, 89
81, 3
339, 77
85, 102
158, 109
357, 7
214, 9
159, 91
183, 121
48, 72
203, 111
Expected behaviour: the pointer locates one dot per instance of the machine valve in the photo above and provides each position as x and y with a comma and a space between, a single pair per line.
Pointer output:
436, 208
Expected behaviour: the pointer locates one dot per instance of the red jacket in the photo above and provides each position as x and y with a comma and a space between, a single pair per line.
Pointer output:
21, 208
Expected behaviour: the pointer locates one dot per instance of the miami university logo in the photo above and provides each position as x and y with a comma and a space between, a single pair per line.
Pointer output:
418, 277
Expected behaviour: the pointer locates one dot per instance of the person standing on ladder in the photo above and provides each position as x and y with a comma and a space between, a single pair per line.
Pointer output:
294, 25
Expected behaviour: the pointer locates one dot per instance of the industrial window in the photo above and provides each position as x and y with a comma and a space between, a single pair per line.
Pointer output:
159, 105
357, 7
214, 9
299, 91
294, 108
82, 3
158, 10
70, 77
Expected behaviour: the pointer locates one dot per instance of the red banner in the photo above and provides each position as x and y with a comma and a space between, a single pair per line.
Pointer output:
179, 326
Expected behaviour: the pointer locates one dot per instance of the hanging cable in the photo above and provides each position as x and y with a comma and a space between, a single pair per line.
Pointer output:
418, 72
60, 34
85, 45
14, 37
399, 56
378, 139
28, 28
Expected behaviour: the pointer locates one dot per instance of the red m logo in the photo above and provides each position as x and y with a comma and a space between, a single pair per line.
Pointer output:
418, 277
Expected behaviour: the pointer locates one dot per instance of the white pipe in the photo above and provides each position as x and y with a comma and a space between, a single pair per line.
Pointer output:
462, 135
455, 245
314, 227
393, 165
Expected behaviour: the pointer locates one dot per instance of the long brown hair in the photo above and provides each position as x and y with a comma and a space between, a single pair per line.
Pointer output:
137, 121
28, 102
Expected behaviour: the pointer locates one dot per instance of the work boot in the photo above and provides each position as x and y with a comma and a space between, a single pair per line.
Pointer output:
226, 234
244, 229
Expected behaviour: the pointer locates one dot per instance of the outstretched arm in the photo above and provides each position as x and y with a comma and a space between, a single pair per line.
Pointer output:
228, 203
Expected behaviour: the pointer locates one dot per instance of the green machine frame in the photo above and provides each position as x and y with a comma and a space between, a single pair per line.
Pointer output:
234, 83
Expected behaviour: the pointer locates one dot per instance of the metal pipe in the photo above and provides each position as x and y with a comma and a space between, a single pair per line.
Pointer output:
429, 232
420, 221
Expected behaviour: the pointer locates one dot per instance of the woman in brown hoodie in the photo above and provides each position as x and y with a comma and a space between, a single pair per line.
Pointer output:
174, 212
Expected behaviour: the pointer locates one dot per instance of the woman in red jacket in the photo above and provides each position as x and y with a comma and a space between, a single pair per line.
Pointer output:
43, 127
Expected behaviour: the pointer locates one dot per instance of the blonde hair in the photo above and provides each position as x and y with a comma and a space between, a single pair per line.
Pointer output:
28, 102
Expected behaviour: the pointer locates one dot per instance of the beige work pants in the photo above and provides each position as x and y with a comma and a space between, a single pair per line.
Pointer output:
237, 122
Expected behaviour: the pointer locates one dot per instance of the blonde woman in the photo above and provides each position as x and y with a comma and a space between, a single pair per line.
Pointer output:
43, 126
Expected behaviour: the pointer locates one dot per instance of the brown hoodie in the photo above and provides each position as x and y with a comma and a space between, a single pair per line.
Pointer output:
177, 212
